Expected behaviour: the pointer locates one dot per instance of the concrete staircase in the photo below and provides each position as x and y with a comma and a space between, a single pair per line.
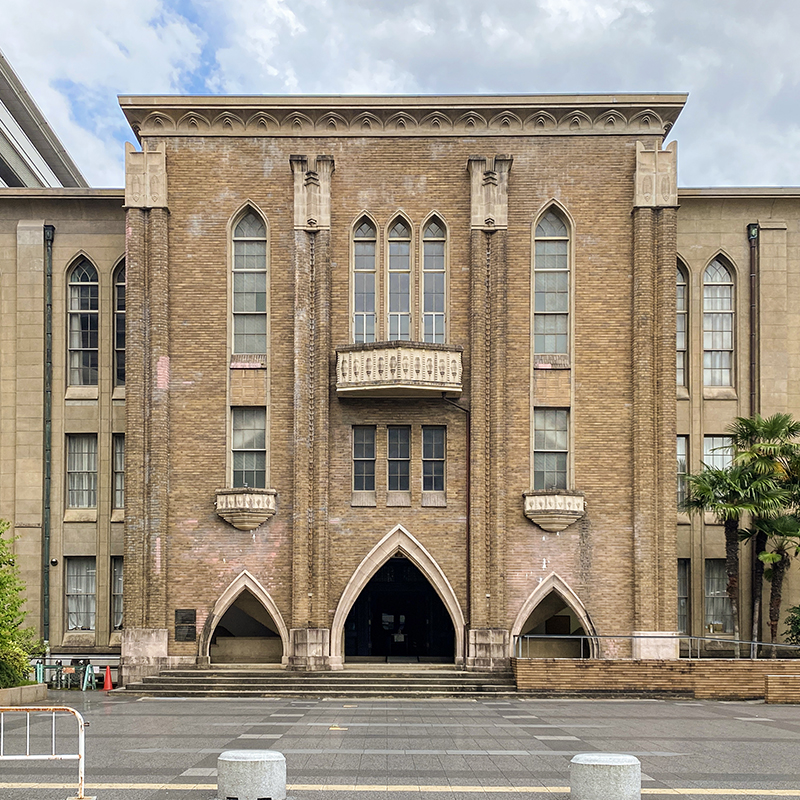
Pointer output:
358, 681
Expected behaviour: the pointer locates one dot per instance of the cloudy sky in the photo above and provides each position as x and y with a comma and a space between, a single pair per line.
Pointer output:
738, 59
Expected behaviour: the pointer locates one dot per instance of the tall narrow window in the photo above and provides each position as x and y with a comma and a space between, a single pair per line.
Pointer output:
433, 458
249, 447
119, 326
717, 325
550, 448
364, 244
119, 470
83, 324
719, 616
363, 458
116, 593
551, 285
681, 330
717, 451
434, 239
400, 281
80, 591
683, 595
82, 470
399, 461
682, 448
250, 285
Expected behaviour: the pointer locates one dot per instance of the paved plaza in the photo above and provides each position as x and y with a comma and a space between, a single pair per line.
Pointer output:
160, 749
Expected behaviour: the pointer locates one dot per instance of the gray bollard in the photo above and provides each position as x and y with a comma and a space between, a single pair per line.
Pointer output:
605, 776
251, 775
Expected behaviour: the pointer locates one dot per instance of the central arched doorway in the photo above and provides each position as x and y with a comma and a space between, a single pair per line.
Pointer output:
399, 617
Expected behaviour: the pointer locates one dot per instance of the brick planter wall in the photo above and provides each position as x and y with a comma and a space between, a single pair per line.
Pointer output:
707, 679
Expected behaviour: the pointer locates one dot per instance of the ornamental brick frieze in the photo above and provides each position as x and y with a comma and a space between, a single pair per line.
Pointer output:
392, 116
246, 508
554, 511
398, 369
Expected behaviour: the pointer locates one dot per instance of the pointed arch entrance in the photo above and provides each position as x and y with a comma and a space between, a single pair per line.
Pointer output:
245, 626
553, 609
399, 558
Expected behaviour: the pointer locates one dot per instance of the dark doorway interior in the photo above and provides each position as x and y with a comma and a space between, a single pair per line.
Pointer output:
399, 617
246, 633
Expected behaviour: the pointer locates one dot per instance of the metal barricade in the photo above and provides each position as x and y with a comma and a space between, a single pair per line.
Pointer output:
79, 756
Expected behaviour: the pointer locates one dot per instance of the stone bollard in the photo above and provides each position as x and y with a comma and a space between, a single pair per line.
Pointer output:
605, 776
251, 775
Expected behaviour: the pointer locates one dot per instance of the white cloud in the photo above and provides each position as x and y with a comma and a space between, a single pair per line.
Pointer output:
737, 58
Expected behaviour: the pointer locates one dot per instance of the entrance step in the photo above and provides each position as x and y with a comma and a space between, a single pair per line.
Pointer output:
234, 681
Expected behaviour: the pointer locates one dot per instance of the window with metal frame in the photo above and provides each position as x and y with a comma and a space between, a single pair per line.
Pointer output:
434, 282
119, 325
718, 319
683, 594
250, 285
551, 285
82, 324
364, 246
681, 328
116, 593
400, 281
82, 470
119, 471
80, 593
249, 429
399, 458
682, 447
363, 458
550, 448
434, 453
717, 451
718, 612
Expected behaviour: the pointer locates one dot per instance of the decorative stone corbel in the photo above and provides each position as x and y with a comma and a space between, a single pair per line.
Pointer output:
489, 192
246, 508
145, 176
554, 510
656, 176
312, 192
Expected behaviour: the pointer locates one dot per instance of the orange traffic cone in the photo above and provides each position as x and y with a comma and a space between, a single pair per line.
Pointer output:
107, 681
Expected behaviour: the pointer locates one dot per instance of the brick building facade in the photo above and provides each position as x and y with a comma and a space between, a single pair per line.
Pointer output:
398, 377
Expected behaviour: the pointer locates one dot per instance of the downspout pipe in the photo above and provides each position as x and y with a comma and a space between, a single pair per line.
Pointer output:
49, 235
759, 541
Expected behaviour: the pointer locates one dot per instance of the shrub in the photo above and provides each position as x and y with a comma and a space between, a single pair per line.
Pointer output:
792, 632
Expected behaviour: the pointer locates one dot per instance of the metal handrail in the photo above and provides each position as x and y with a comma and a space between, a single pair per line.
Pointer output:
52, 755
587, 642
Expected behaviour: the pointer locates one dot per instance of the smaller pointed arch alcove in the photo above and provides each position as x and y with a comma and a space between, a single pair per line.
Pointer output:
245, 626
554, 618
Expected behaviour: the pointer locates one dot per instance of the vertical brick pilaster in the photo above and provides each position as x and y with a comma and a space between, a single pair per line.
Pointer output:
666, 546
644, 422
157, 466
322, 373
497, 450
302, 552
135, 562
479, 375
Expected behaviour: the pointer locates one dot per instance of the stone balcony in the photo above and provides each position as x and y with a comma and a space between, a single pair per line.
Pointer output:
398, 369
246, 508
554, 510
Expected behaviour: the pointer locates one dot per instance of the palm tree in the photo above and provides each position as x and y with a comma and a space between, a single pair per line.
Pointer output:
783, 540
768, 445
730, 493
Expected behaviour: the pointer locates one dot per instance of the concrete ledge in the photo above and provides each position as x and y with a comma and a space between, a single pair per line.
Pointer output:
704, 679
23, 695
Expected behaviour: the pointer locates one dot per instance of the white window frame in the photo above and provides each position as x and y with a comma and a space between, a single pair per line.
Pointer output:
360, 320
430, 267
117, 595
83, 325
243, 341
682, 468
719, 321
253, 451
717, 451
682, 327
81, 470
119, 332
80, 593
543, 447
399, 324
540, 272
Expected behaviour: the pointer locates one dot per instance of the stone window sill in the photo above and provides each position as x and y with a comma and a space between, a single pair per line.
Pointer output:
434, 500
80, 515
719, 393
363, 500
81, 393
118, 515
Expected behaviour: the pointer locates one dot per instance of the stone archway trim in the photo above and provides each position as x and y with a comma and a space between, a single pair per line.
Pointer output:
397, 540
554, 582
244, 580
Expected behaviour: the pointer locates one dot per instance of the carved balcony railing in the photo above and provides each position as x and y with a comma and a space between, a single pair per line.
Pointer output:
554, 510
398, 369
246, 508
